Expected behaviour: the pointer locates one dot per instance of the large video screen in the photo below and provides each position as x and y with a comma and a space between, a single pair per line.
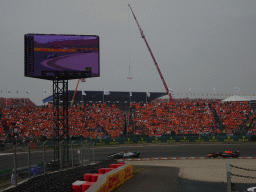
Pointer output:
61, 56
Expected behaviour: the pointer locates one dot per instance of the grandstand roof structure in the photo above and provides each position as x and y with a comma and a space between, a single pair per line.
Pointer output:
113, 97
240, 98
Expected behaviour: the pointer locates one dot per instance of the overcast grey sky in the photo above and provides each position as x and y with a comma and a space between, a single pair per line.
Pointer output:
198, 44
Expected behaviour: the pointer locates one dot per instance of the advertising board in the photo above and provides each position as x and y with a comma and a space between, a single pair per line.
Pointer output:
116, 179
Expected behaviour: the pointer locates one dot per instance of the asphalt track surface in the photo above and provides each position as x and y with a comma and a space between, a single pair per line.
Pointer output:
146, 151
166, 179
153, 179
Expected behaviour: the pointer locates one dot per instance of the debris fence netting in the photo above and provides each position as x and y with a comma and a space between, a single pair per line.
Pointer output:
60, 180
244, 177
38, 159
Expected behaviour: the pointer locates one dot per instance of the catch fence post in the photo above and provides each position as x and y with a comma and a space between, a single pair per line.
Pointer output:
15, 165
60, 158
81, 153
60, 148
93, 152
89, 152
82, 148
29, 175
72, 152
228, 176
44, 155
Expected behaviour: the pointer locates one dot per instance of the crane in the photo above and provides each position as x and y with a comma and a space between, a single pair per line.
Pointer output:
143, 36
82, 80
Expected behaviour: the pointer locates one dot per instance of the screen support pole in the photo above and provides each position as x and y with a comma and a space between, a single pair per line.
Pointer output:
60, 119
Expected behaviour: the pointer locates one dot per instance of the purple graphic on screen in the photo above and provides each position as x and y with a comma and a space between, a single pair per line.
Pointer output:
51, 38
63, 53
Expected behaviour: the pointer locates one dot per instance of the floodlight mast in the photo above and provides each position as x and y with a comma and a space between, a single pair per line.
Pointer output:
143, 36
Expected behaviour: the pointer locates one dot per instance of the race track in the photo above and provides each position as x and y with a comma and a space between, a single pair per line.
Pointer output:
155, 151
77, 61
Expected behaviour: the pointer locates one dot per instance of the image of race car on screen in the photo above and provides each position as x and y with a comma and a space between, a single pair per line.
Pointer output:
225, 154
50, 56
126, 154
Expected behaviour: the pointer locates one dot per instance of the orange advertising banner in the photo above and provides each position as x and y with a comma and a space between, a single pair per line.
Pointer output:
116, 179
54, 50
64, 50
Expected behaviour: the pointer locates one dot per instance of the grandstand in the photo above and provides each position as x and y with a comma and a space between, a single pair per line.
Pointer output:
96, 120
113, 97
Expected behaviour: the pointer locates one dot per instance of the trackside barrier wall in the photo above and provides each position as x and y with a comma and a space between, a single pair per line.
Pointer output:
112, 179
170, 139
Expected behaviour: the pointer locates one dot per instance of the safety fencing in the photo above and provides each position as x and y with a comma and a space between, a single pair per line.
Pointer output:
40, 158
240, 179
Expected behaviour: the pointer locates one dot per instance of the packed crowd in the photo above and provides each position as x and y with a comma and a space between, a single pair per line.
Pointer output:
252, 124
15, 102
233, 113
191, 116
97, 120
89, 121
183, 116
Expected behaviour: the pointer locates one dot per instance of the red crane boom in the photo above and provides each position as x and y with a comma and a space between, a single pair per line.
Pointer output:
82, 80
143, 36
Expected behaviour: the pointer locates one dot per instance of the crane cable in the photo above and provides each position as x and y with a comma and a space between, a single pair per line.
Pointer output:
129, 74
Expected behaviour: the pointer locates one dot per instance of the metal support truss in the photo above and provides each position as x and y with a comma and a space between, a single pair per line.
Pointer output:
60, 118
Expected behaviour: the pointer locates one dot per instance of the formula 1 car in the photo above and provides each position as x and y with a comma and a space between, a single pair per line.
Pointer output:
251, 189
51, 56
125, 154
225, 154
